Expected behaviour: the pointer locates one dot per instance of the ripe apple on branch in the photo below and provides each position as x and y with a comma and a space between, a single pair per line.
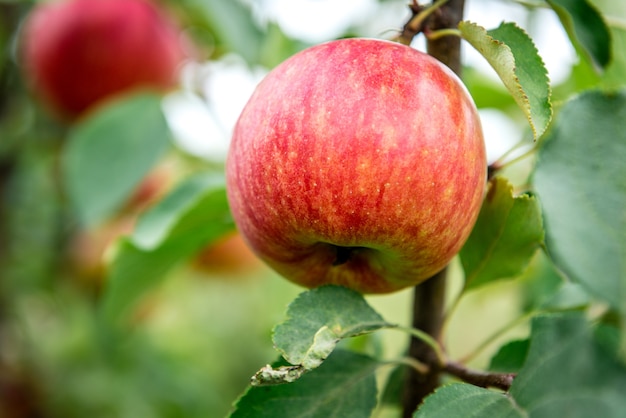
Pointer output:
360, 163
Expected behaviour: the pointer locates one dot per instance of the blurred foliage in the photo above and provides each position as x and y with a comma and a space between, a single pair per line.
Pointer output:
187, 347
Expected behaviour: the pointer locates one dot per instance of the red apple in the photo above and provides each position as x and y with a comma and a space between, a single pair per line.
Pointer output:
79, 52
360, 163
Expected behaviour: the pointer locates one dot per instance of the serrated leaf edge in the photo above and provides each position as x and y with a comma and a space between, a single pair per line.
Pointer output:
521, 99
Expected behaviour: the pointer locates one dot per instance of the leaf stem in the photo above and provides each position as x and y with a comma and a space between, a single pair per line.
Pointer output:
437, 34
428, 340
417, 365
500, 163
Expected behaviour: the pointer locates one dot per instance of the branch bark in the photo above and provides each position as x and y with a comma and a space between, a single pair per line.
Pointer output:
428, 308
429, 297
479, 378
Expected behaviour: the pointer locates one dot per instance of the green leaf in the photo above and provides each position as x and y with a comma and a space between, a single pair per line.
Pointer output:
514, 57
467, 401
510, 357
585, 27
568, 373
109, 153
318, 319
344, 386
580, 178
191, 217
506, 235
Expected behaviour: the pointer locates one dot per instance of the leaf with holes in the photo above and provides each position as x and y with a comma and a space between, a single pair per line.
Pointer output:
316, 321
344, 386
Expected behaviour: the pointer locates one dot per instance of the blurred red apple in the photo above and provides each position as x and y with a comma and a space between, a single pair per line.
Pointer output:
79, 52
358, 162
230, 256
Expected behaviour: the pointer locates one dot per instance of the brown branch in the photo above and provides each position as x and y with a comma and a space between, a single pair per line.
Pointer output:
411, 29
479, 378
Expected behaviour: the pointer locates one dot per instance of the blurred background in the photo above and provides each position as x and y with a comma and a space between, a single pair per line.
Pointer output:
190, 346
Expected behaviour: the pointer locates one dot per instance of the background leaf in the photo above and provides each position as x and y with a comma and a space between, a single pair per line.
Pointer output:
514, 57
585, 27
108, 154
344, 386
192, 216
506, 235
581, 181
318, 319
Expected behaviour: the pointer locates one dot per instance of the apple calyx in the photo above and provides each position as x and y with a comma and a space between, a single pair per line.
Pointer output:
344, 254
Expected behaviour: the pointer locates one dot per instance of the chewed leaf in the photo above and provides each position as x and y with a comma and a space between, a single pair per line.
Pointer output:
514, 57
274, 376
318, 319
585, 27
344, 386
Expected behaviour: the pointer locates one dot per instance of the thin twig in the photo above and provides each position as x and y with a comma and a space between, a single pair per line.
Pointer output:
417, 22
479, 378
426, 339
497, 334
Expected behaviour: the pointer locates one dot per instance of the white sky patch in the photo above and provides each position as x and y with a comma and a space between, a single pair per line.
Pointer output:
202, 123
316, 20
501, 133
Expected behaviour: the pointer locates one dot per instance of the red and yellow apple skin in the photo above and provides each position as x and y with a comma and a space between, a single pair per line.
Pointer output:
359, 163
78, 52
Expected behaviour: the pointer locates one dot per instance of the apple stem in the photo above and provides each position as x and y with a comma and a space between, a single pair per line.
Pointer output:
429, 296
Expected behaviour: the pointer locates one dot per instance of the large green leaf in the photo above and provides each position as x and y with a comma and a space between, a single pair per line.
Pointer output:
344, 386
506, 235
585, 27
568, 372
110, 152
514, 57
581, 181
316, 321
192, 216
